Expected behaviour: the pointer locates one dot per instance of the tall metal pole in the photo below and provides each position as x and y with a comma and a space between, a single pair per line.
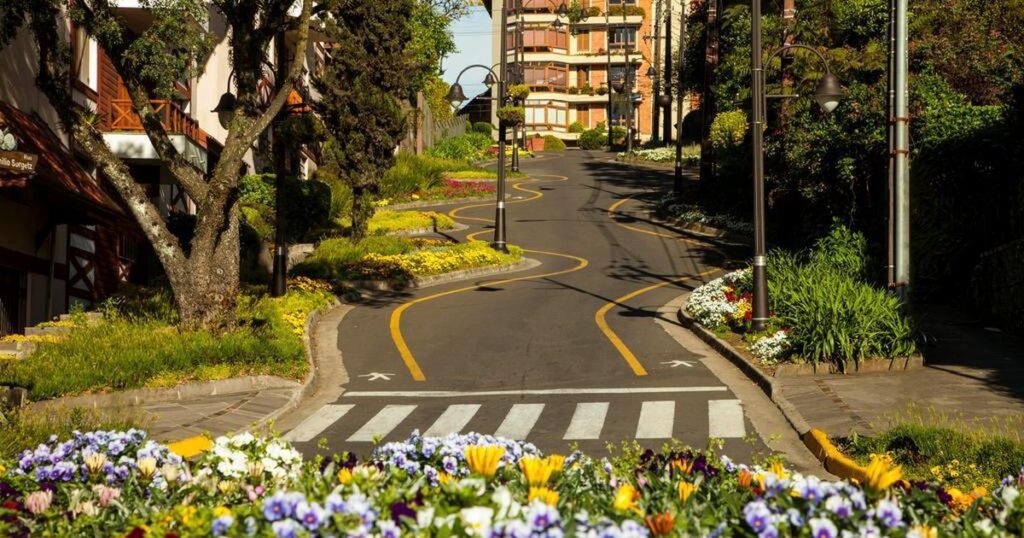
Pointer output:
677, 183
516, 48
279, 278
608, 70
707, 104
759, 314
667, 124
628, 86
890, 221
499, 210
655, 109
902, 154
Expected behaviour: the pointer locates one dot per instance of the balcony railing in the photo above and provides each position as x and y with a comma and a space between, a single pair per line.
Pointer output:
541, 40
124, 119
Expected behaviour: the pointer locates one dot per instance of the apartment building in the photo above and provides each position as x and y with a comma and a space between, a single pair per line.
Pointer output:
570, 66
65, 237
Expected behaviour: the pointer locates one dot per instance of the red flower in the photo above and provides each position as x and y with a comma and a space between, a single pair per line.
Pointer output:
748, 315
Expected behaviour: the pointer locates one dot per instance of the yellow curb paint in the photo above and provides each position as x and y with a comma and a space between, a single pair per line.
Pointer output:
396, 316
191, 447
613, 337
454, 213
395, 324
831, 458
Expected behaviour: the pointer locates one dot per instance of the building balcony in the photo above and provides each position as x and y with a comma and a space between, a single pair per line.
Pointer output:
126, 137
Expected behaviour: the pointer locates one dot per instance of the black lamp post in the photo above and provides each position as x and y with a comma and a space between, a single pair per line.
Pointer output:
827, 94
456, 96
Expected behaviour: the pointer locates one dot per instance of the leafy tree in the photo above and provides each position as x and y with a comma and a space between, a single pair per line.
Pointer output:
203, 275
366, 74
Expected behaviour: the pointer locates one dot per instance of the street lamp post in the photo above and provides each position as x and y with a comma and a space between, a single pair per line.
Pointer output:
456, 96
677, 180
827, 95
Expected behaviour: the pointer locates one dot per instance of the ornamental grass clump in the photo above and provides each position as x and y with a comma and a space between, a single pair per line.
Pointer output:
387, 221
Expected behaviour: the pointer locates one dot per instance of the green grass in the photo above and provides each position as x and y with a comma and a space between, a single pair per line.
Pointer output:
953, 451
133, 349
388, 221
421, 173
26, 427
481, 173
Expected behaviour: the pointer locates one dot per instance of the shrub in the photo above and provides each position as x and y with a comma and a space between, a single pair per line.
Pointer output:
512, 114
483, 127
553, 143
728, 129
464, 147
576, 127
307, 205
30, 427
519, 92
593, 139
384, 222
843, 250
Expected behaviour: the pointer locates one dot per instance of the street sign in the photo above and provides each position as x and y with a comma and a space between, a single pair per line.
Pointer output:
17, 161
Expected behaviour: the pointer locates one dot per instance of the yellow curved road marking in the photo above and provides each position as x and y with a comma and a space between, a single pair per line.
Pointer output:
395, 324
396, 316
613, 337
612, 212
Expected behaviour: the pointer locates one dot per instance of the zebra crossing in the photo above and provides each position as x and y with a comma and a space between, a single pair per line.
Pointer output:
657, 419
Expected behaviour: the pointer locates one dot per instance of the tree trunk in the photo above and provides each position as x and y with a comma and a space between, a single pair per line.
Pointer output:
362, 210
707, 105
207, 288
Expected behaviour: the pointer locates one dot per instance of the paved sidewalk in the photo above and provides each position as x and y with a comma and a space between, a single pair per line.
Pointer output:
971, 373
214, 415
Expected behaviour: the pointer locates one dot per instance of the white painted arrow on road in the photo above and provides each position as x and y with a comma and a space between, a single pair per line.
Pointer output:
673, 364
375, 376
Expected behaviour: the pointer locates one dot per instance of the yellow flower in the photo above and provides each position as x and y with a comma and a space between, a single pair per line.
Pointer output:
3, 470
686, 489
556, 462
484, 460
924, 531
147, 467
94, 462
625, 498
879, 476
536, 471
345, 476
444, 478
548, 496
779, 470
683, 466
221, 511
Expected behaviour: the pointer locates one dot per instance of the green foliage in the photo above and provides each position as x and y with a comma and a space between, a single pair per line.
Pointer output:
412, 173
435, 91
553, 143
518, 92
728, 129
387, 221
307, 205
512, 115
483, 127
576, 127
463, 147
963, 456
29, 427
367, 72
593, 139
130, 351
834, 315
430, 40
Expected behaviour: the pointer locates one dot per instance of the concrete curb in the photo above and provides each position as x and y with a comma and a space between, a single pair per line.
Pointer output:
435, 280
187, 391
767, 384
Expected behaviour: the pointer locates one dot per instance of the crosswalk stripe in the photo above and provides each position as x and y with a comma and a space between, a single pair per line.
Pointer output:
519, 421
656, 420
317, 422
383, 422
587, 421
452, 420
725, 419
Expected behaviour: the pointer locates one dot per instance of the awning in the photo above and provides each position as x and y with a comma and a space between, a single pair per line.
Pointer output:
57, 176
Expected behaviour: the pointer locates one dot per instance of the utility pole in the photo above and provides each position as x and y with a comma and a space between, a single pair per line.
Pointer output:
901, 152
890, 221
759, 307
677, 183
707, 107
608, 69
655, 109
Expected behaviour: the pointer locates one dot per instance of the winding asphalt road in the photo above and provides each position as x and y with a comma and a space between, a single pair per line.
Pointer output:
566, 353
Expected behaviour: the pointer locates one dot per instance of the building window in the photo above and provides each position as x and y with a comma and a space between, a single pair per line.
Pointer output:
85, 55
622, 37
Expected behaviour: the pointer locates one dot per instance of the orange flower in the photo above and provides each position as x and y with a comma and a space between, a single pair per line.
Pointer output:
661, 524
745, 478
682, 465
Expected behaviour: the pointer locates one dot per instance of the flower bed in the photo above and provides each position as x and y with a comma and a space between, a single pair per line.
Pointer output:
821, 308
122, 483
387, 221
670, 209
449, 189
667, 154
398, 259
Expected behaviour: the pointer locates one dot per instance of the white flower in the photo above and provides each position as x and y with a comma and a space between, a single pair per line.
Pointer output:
771, 349
476, 520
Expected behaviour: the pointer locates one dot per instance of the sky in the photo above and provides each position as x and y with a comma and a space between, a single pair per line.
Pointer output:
473, 38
